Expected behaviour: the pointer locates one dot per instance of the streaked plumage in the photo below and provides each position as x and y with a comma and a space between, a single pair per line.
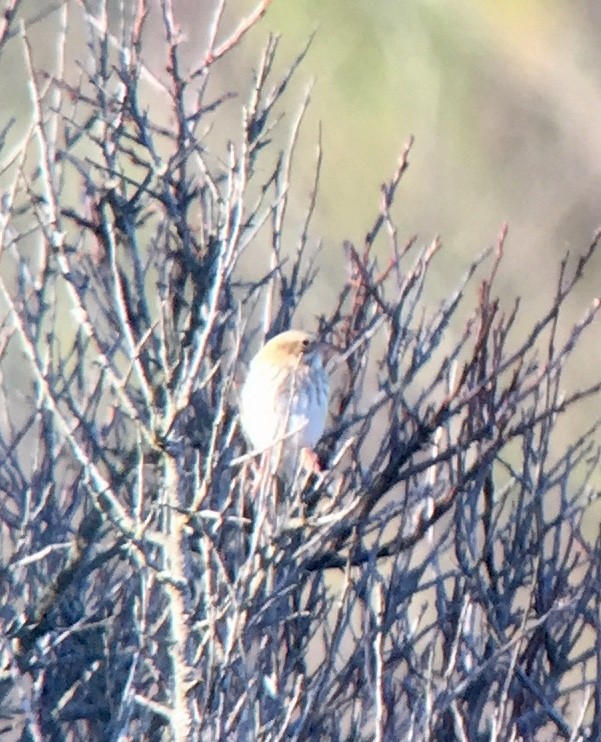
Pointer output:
285, 395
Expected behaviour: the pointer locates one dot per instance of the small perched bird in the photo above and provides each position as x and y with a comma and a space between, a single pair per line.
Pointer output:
285, 397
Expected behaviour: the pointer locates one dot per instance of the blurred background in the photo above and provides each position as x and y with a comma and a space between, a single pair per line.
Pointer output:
504, 102
503, 99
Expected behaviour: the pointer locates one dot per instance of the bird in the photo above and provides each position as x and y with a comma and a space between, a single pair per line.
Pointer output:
284, 399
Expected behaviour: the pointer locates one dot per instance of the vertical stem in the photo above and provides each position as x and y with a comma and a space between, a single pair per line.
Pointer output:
175, 589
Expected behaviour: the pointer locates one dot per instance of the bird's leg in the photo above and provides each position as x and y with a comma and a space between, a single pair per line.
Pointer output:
310, 461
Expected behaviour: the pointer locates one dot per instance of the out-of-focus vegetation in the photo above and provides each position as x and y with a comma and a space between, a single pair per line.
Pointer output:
502, 97
504, 100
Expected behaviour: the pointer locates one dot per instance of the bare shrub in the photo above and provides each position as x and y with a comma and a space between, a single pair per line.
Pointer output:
432, 583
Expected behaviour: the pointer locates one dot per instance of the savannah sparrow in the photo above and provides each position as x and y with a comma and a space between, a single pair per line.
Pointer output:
285, 396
